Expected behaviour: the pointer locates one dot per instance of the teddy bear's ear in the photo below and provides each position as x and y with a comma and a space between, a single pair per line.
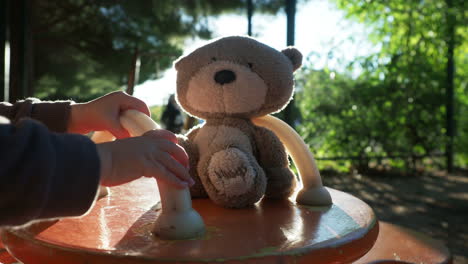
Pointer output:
177, 63
294, 55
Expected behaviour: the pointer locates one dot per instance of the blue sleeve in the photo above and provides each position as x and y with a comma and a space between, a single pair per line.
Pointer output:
45, 174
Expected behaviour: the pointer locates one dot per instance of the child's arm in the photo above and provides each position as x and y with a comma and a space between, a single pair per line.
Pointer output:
44, 174
67, 116
54, 115
48, 175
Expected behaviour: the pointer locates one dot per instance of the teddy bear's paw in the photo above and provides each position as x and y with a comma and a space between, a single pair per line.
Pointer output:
231, 173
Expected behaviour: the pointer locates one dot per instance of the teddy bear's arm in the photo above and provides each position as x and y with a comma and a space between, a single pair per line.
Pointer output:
191, 148
273, 158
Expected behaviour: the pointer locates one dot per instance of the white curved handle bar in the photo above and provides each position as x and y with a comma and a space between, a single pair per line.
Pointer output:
313, 192
178, 220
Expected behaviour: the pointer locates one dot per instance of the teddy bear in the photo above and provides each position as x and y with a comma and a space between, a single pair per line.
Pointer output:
227, 83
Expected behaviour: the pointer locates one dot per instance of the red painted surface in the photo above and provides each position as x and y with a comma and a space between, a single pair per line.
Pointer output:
396, 244
118, 230
5, 257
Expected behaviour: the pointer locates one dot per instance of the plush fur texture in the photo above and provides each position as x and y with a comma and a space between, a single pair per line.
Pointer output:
227, 82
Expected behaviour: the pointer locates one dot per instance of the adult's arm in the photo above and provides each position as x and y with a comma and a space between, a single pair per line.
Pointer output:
54, 115
45, 174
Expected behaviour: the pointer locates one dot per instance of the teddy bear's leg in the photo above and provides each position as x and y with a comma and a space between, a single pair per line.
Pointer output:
281, 183
197, 190
232, 178
274, 160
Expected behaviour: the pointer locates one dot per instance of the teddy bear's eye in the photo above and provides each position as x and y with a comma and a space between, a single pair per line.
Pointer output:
250, 65
213, 59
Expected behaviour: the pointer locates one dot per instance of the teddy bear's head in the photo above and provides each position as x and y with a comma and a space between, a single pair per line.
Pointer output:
236, 76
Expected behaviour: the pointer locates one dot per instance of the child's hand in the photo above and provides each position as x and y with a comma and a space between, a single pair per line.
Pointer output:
103, 114
155, 154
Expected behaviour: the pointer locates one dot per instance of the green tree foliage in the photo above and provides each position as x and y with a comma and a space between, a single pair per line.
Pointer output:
84, 48
156, 113
395, 106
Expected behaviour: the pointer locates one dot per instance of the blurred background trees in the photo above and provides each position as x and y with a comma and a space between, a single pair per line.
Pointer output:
390, 109
86, 48
393, 105
81, 49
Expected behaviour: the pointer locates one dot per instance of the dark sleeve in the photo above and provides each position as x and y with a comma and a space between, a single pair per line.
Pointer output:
45, 174
54, 115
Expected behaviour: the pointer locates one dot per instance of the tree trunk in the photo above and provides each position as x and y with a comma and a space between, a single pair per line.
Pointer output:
291, 21
290, 34
449, 84
134, 71
20, 50
249, 17
3, 38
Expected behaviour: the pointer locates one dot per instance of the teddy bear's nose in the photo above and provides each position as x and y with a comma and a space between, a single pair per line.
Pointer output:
224, 76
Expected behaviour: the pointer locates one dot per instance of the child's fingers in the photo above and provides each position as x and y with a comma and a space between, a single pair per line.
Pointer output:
161, 133
175, 151
119, 133
116, 129
159, 172
175, 167
130, 102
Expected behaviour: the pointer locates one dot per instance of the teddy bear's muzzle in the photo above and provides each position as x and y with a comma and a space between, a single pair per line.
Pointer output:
224, 77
